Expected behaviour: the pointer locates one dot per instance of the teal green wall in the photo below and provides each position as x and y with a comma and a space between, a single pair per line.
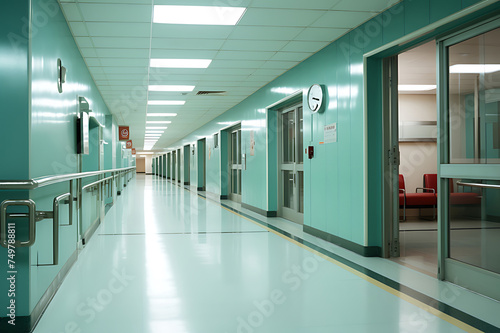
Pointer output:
14, 123
53, 132
335, 179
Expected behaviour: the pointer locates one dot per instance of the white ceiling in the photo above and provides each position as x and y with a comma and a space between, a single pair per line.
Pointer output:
117, 38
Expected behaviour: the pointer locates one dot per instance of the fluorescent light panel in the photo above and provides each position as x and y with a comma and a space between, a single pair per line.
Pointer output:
180, 63
154, 132
156, 128
162, 115
170, 88
474, 68
158, 121
416, 87
203, 15
164, 102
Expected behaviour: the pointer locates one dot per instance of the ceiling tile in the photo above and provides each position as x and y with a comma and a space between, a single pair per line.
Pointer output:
187, 44
183, 54
237, 63
280, 17
128, 70
299, 46
96, 70
123, 62
253, 45
119, 29
291, 56
71, 12
363, 5
222, 78
321, 34
233, 71
264, 33
342, 19
244, 55
122, 83
84, 42
267, 71
279, 64
78, 29
93, 62
146, 2
88, 52
122, 53
238, 3
121, 42
191, 31
310, 4
116, 12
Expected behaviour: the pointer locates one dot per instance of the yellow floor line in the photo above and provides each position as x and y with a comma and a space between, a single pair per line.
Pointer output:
452, 320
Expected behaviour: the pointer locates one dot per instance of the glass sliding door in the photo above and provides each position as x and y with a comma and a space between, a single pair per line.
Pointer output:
291, 169
470, 158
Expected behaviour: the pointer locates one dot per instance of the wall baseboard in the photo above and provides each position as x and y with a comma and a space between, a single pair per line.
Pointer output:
266, 213
366, 251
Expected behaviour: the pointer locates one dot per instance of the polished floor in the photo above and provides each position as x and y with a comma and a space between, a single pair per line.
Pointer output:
168, 260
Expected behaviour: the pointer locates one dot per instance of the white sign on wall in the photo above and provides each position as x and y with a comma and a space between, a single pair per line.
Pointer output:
330, 133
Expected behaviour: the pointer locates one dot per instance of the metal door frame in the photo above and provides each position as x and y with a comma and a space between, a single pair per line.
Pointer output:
234, 166
296, 167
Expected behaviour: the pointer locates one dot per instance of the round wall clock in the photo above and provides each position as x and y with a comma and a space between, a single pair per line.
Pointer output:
315, 97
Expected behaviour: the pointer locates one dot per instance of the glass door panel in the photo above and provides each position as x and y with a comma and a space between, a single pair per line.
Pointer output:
474, 99
470, 160
475, 222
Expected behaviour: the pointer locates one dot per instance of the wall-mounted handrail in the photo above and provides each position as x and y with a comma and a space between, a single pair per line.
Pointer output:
479, 185
32, 184
97, 182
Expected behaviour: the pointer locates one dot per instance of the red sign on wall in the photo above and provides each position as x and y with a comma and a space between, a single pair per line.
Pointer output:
129, 144
123, 133
133, 151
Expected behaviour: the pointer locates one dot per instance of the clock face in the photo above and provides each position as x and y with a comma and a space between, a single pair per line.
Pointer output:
315, 97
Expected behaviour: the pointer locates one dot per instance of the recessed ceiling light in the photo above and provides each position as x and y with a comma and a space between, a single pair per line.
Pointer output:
162, 115
180, 63
416, 87
156, 87
153, 132
155, 128
474, 68
207, 15
159, 102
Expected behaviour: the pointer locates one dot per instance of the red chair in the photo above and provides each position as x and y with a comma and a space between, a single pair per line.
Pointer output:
456, 198
425, 199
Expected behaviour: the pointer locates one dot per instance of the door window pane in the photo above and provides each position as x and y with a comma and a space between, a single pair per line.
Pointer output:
475, 223
289, 137
300, 175
474, 99
288, 189
234, 147
234, 181
300, 144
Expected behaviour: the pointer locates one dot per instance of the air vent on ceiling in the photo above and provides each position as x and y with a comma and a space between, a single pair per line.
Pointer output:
211, 92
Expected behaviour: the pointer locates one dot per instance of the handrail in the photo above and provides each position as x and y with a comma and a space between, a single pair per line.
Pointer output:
32, 184
97, 182
479, 185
